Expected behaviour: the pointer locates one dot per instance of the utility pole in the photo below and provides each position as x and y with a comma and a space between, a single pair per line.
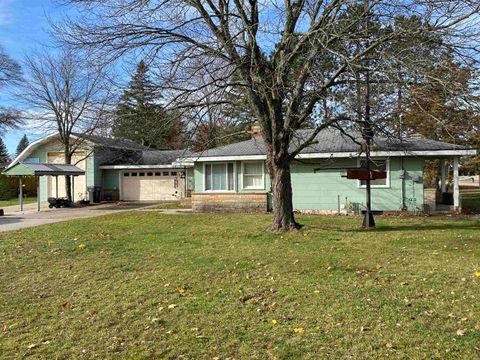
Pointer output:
368, 220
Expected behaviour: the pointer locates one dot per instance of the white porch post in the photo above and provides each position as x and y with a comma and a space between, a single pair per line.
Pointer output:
444, 176
20, 194
456, 185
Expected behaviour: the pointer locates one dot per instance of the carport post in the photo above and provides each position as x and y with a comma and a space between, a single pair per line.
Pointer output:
38, 192
20, 194
73, 190
56, 186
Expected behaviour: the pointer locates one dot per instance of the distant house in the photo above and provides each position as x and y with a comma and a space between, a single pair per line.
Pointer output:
234, 177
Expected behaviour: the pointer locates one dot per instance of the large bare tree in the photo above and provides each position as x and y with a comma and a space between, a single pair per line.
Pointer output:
10, 74
65, 94
288, 58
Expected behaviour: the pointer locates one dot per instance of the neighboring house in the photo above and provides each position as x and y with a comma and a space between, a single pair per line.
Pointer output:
123, 169
234, 177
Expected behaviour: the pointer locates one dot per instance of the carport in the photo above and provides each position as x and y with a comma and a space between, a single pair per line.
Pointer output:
26, 169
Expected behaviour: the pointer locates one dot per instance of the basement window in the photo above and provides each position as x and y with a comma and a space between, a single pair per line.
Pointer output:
158, 174
149, 174
126, 174
219, 177
134, 174
141, 174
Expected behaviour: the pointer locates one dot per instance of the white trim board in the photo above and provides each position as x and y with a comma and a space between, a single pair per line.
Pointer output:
437, 153
134, 167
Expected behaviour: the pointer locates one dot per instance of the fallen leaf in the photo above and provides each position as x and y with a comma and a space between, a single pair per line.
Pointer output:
299, 330
32, 346
181, 290
172, 306
274, 321
477, 273
378, 266
82, 246
461, 332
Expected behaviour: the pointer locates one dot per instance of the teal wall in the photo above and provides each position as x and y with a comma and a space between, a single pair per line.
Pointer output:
111, 179
319, 190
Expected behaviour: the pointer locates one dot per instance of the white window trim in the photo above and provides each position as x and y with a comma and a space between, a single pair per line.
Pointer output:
387, 182
243, 174
226, 174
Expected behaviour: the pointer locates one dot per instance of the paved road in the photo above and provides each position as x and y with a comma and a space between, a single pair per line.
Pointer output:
14, 219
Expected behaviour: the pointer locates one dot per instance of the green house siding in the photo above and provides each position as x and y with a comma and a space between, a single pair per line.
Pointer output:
322, 190
318, 185
111, 179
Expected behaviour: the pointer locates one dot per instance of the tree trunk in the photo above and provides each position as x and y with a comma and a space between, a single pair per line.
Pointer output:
283, 216
68, 181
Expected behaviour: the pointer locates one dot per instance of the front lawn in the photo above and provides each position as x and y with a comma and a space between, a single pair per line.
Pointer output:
12, 202
150, 285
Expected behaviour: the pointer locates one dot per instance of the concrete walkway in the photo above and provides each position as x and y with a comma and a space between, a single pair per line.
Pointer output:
30, 217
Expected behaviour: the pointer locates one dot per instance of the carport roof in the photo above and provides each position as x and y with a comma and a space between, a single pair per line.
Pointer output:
26, 169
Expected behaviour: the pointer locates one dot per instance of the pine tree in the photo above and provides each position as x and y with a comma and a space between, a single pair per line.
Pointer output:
140, 118
22, 145
4, 157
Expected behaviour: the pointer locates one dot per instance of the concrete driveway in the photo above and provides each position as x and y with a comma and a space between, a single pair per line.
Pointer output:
14, 219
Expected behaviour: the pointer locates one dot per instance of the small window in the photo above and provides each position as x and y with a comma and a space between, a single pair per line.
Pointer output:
141, 174
158, 174
149, 174
253, 175
134, 174
165, 173
173, 173
126, 174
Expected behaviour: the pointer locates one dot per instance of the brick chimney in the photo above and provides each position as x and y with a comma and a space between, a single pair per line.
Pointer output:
256, 131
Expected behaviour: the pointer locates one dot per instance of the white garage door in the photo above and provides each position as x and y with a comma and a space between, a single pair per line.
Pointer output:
151, 185
79, 182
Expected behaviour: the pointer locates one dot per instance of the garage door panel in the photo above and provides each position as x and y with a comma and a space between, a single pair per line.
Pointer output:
151, 188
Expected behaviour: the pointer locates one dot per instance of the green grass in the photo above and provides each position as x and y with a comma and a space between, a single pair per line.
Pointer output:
12, 202
106, 288
471, 201
172, 205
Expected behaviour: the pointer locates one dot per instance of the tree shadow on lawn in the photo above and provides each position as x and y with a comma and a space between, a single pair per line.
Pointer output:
419, 227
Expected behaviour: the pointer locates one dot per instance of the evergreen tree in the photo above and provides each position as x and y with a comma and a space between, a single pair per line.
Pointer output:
4, 157
22, 145
140, 118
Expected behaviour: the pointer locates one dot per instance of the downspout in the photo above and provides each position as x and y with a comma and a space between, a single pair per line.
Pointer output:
402, 176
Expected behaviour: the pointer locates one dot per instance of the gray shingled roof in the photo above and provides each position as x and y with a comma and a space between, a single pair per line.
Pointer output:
145, 157
332, 141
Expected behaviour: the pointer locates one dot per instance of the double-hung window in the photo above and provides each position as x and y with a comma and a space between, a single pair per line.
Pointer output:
219, 177
375, 164
253, 175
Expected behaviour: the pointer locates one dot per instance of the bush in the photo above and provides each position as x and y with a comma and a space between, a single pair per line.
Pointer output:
7, 190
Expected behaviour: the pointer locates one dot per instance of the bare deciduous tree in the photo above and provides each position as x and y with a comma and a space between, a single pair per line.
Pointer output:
10, 74
286, 57
67, 95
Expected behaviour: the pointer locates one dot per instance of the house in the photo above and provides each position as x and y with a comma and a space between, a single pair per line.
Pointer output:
123, 169
234, 177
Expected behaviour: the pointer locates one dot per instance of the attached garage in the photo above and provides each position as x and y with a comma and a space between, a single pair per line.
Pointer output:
152, 184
